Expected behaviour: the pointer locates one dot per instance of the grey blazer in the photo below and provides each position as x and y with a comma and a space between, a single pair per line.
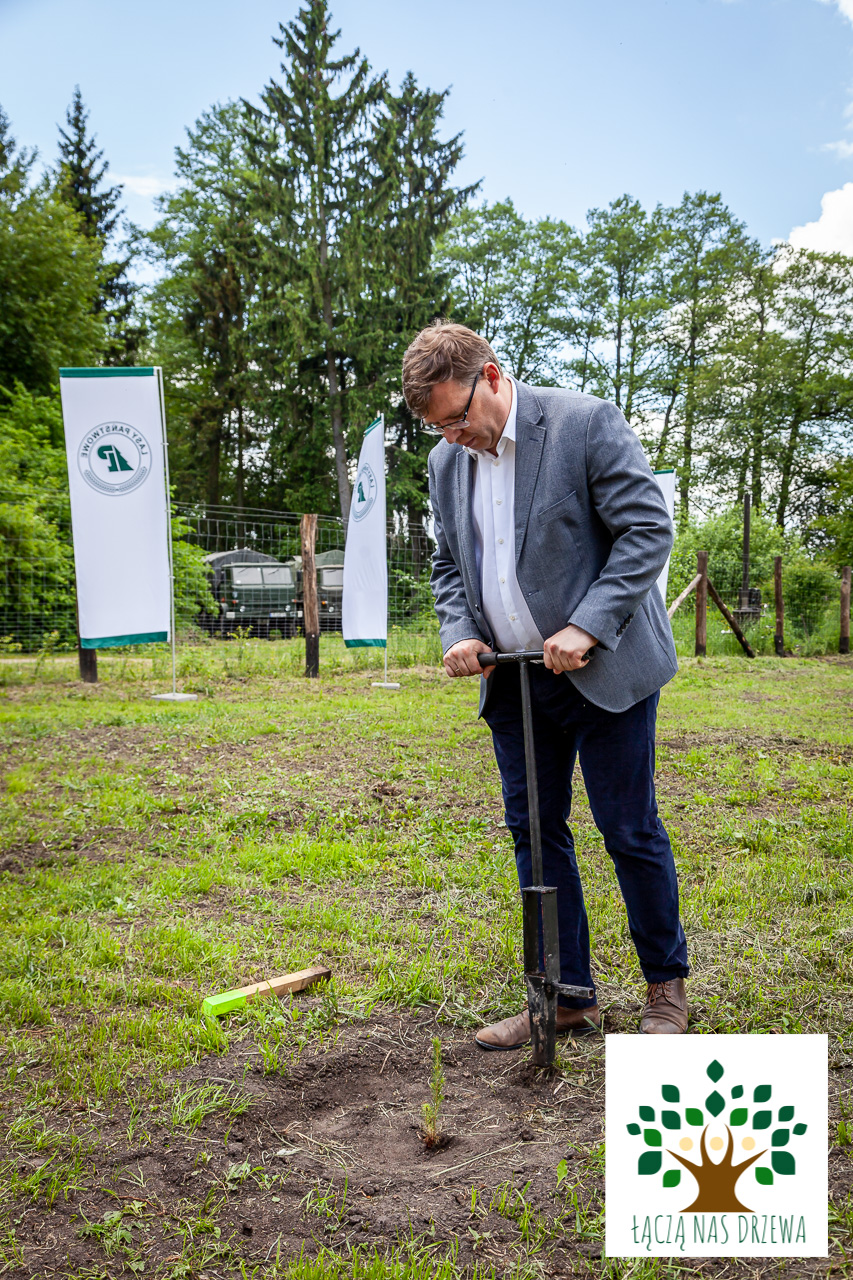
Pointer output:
592, 534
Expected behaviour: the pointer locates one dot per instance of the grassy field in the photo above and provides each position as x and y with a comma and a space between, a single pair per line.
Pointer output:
153, 854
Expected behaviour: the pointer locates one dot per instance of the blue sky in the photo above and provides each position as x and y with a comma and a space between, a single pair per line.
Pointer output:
565, 104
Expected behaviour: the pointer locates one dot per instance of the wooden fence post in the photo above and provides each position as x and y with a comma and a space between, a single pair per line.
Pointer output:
719, 602
844, 639
88, 659
310, 612
779, 637
701, 604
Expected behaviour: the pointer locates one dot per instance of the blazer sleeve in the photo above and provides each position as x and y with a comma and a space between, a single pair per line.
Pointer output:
631, 504
448, 588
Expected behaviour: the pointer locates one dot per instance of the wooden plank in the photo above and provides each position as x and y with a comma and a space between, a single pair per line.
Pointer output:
744, 643
679, 600
701, 604
226, 1001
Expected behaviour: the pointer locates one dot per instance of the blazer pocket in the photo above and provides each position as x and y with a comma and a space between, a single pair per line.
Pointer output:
559, 508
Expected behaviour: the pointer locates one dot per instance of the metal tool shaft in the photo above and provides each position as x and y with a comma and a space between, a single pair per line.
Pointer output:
532, 779
539, 901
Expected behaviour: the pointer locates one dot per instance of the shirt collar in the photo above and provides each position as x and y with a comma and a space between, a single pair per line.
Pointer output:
508, 432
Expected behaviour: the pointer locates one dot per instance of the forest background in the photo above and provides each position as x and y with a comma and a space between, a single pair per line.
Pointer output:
310, 235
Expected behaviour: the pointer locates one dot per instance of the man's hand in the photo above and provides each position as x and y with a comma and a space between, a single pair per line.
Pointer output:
566, 651
461, 659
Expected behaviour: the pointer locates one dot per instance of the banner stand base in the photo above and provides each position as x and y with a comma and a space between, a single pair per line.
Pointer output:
175, 697
383, 684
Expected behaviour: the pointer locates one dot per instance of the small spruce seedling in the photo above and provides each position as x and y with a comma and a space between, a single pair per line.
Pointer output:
431, 1111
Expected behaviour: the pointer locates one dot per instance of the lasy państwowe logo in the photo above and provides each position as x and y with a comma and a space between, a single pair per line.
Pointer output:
114, 458
716, 1146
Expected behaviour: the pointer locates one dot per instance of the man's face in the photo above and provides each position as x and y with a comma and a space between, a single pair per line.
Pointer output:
487, 413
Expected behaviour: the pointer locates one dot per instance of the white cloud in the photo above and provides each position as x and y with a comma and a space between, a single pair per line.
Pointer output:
845, 8
843, 149
141, 186
832, 232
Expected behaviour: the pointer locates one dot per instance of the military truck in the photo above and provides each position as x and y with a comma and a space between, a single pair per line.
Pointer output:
330, 589
254, 591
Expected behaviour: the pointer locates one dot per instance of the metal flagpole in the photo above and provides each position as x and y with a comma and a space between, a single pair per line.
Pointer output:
384, 684
174, 696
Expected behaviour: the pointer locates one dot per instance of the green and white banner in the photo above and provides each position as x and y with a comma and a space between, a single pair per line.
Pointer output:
365, 603
115, 445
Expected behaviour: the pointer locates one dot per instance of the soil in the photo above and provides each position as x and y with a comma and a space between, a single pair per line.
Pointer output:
344, 1124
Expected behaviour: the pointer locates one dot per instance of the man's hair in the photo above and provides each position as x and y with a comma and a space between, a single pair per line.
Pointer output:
442, 352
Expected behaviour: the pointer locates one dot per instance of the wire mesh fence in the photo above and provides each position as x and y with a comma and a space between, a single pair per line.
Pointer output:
238, 577
810, 597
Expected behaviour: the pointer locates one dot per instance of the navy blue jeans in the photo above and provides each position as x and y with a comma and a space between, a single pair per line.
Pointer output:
617, 757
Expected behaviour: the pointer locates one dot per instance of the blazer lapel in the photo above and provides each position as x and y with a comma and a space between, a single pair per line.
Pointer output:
529, 439
464, 479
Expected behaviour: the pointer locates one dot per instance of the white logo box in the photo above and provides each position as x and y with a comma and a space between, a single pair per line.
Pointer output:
684, 1114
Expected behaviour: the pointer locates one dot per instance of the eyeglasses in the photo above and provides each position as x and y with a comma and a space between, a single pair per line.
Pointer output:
432, 429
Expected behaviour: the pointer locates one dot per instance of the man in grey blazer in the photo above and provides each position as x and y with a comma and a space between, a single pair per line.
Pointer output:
551, 532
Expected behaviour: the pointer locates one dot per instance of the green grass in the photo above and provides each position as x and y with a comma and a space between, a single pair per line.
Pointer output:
154, 854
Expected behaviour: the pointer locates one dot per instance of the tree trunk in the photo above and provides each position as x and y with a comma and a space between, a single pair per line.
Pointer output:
335, 413
214, 454
240, 494
667, 426
787, 471
717, 1182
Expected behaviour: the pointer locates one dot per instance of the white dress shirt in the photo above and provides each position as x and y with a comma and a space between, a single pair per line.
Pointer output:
493, 512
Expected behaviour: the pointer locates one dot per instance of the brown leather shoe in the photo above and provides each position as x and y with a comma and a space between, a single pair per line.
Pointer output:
514, 1033
666, 1009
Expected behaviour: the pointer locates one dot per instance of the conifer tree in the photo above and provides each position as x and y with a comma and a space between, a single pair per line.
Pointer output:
415, 202
200, 310
312, 190
81, 173
48, 278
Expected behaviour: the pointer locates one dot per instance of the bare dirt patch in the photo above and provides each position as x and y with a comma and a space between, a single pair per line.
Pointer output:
329, 1154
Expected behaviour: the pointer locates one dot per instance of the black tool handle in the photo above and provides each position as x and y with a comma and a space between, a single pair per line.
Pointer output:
523, 655
492, 659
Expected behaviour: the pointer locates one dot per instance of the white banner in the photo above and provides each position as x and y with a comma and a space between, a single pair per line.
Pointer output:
114, 439
666, 480
365, 603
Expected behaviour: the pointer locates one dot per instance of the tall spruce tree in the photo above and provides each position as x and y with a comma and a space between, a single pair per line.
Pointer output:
403, 288
200, 310
80, 183
313, 197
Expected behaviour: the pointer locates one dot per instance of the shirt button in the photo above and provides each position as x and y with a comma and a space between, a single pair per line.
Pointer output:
503, 579
499, 501
512, 617
500, 542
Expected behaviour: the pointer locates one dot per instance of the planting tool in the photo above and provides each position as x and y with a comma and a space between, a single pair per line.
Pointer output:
227, 1001
539, 901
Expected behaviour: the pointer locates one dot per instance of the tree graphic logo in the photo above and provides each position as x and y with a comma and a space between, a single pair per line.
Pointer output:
682, 1133
114, 458
364, 492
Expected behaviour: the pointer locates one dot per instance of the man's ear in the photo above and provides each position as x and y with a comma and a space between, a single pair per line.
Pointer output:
492, 374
